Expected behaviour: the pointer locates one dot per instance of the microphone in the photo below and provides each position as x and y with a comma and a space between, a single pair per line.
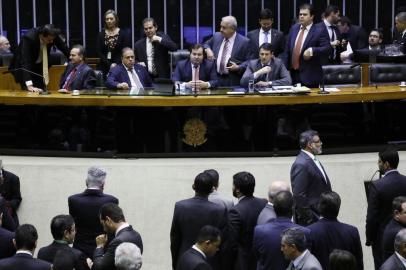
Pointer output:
44, 92
195, 66
323, 89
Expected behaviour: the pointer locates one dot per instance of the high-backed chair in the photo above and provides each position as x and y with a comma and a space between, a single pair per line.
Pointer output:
177, 56
99, 78
5, 59
343, 75
387, 73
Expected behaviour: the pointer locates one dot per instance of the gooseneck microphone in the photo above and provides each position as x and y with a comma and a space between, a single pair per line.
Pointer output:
195, 66
44, 92
323, 89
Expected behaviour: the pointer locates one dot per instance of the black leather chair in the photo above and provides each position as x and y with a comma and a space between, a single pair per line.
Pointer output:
177, 56
99, 78
343, 75
387, 73
5, 59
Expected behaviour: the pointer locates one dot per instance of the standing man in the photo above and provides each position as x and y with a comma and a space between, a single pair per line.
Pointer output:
397, 260
400, 24
353, 37
268, 213
33, 53
84, 208
307, 47
308, 178
10, 191
152, 51
215, 196
381, 194
331, 17
229, 50
266, 34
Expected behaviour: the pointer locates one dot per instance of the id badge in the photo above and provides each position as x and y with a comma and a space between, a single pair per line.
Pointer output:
109, 55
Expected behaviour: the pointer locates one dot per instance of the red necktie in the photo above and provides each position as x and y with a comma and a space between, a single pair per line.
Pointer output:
297, 49
70, 79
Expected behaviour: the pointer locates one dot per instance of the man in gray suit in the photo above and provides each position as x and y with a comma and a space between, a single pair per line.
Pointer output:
268, 213
293, 246
397, 260
215, 196
267, 70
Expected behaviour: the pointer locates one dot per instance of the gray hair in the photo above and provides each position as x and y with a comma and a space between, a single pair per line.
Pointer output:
294, 236
95, 177
128, 257
307, 137
401, 16
230, 20
400, 240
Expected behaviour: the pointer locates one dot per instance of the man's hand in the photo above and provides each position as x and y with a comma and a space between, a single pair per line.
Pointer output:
209, 54
31, 88
142, 64
113, 65
198, 84
307, 54
335, 43
264, 70
233, 66
123, 86
89, 263
101, 240
262, 84
156, 38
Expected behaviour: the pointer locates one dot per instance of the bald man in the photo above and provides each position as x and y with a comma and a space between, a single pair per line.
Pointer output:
268, 213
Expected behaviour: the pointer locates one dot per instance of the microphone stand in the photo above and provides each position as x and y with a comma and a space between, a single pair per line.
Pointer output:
45, 90
323, 89
195, 82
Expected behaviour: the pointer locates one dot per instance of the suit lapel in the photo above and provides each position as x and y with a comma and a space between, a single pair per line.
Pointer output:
308, 37
324, 180
188, 70
256, 37
295, 31
126, 77
235, 45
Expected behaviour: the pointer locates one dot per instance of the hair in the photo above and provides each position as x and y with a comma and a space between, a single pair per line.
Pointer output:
60, 224
203, 184
306, 137
329, 204
114, 13
401, 16
96, 177
308, 7
245, 182
294, 236
214, 176
49, 30
26, 237
331, 9
150, 20
380, 33
391, 156
397, 203
342, 260
113, 211
126, 49
400, 240
266, 46
208, 232
265, 14
64, 260
231, 20
345, 20
283, 203
81, 50
128, 257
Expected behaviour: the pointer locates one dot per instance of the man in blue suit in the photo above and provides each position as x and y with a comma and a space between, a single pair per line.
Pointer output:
397, 260
329, 234
267, 237
196, 72
78, 75
7, 248
128, 74
306, 46
229, 50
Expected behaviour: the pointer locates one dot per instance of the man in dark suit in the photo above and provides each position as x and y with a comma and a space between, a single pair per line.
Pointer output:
381, 194
229, 50
207, 244
375, 40
77, 75
25, 241
7, 220
352, 35
216, 196
152, 51
266, 34
397, 223
196, 72
397, 260
328, 233
400, 23
192, 214
63, 231
308, 178
10, 191
242, 219
7, 248
331, 17
268, 213
307, 45
267, 70
84, 208
33, 54
113, 221
267, 237
128, 74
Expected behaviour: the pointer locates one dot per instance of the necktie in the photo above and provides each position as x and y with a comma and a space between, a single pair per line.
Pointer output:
297, 49
333, 37
137, 81
266, 37
153, 67
45, 63
196, 73
70, 79
318, 164
223, 57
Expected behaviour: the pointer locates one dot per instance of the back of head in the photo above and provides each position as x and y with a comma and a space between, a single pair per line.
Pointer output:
294, 236
60, 224
306, 137
283, 204
96, 177
214, 176
208, 233
64, 260
26, 237
329, 204
391, 156
342, 260
49, 30
245, 182
345, 20
203, 184
128, 257
276, 187
113, 211
400, 242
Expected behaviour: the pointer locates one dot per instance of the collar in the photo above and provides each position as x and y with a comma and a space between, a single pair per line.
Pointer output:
390, 171
307, 27
269, 203
198, 250
77, 66
62, 242
242, 197
309, 154
299, 259
327, 23
93, 188
24, 252
401, 258
232, 38
123, 226
262, 31
403, 33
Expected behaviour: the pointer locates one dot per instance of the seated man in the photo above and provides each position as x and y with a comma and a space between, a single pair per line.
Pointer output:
267, 70
374, 44
196, 72
4, 45
78, 75
128, 74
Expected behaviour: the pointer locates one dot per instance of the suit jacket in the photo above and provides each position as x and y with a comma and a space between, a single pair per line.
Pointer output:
267, 243
357, 37
103, 259
242, 219
48, 254
193, 260
207, 72
331, 59
310, 71
10, 190
161, 56
330, 234
24, 261
393, 263
279, 75
267, 215
8, 221
84, 208
85, 77
277, 41
388, 238
399, 39
240, 53
189, 217
221, 200
119, 74
7, 248
309, 262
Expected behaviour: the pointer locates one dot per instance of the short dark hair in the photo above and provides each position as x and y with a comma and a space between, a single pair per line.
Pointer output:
295, 236
342, 260
245, 182
203, 184
114, 13
126, 49
80, 48
331, 9
283, 203
379, 30
49, 30
345, 20
26, 237
149, 20
391, 156
64, 260
60, 224
310, 7
397, 203
214, 176
266, 46
329, 204
265, 14
208, 232
113, 211
307, 137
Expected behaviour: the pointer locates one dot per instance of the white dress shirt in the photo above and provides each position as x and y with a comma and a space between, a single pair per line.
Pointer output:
262, 37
